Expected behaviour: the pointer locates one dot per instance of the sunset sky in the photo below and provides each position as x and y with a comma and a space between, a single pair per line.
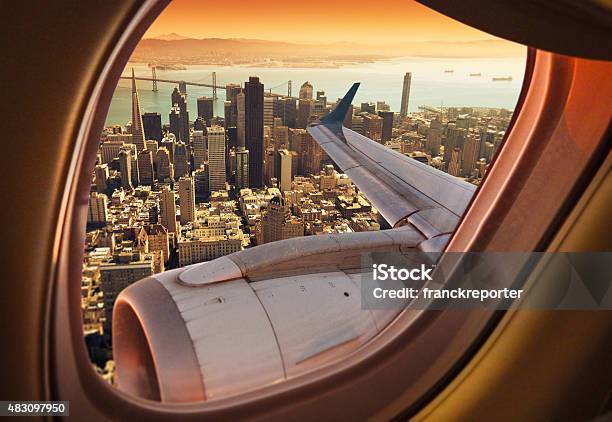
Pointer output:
312, 21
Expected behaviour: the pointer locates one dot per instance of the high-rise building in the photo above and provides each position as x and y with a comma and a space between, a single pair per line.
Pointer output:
125, 167
279, 224
304, 112
231, 95
372, 127
434, 138
145, 167
200, 180
240, 119
253, 102
199, 149
152, 146
405, 95
454, 166
469, 155
175, 121
179, 98
152, 126
268, 110
101, 174
216, 158
97, 212
116, 276
167, 209
387, 125
242, 168
187, 199
284, 170
290, 112
205, 108
368, 108
158, 240
165, 169
306, 91
138, 136
181, 160
109, 150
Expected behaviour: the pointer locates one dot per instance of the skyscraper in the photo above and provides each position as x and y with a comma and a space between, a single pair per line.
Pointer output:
167, 209
145, 167
405, 95
216, 158
242, 168
138, 135
304, 111
372, 127
283, 170
240, 119
387, 125
268, 111
231, 95
253, 102
175, 121
306, 91
180, 99
181, 160
125, 168
97, 211
205, 109
152, 126
165, 168
199, 149
200, 180
187, 199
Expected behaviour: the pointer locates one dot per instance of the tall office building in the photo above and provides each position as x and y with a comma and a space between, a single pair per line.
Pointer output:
306, 91
152, 126
284, 169
181, 160
116, 276
165, 168
125, 168
205, 109
279, 224
138, 136
101, 174
405, 95
187, 199
469, 154
200, 180
372, 127
216, 158
167, 209
199, 149
268, 110
387, 125
157, 236
175, 121
240, 119
434, 138
454, 165
180, 99
97, 212
304, 112
109, 150
145, 167
253, 105
290, 112
231, 95
242, 168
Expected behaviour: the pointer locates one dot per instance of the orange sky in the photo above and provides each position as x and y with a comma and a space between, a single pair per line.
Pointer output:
313, 21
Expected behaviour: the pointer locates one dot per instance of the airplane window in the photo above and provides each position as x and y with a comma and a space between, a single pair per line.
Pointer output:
226, 136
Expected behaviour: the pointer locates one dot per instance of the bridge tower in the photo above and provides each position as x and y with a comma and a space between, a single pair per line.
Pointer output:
289, 89
214, 84
154, 77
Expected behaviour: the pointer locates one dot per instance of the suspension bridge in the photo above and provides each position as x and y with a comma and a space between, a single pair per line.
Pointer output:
208, 81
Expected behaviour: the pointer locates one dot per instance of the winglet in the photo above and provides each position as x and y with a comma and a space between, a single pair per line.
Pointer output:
339, 113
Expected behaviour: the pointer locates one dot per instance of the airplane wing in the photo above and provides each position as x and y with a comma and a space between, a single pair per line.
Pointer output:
403, 190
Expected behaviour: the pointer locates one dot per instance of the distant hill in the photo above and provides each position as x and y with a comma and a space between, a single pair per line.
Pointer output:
174, 47
169, 37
